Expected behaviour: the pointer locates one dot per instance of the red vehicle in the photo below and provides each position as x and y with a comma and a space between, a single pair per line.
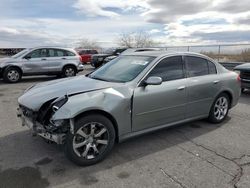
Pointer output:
86, 54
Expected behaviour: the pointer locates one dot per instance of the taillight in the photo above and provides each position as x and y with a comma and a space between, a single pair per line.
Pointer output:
80, 58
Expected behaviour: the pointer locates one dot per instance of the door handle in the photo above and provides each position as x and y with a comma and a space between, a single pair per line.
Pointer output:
43, 59
63, 58
216, 81
181, 88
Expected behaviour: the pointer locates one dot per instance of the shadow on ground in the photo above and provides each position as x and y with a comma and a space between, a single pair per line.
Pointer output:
26, 156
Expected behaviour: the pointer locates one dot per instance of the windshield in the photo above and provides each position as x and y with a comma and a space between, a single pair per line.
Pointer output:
19, 54
109, 51
122, 69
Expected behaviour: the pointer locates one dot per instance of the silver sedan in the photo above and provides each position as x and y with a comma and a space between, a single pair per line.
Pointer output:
131, 95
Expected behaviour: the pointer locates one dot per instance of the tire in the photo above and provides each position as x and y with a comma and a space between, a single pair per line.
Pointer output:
69, 71
12, 75
92, 141
242, 90
219, 109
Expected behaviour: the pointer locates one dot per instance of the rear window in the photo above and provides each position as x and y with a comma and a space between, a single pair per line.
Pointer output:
68, 53
212, 68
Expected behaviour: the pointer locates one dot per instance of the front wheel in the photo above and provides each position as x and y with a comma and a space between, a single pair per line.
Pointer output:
12, 75
92, 141
219, 109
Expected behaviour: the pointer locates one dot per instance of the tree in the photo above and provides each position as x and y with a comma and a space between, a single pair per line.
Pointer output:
87, 44
139, 39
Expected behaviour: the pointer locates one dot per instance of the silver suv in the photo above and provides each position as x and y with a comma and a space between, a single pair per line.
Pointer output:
40, 61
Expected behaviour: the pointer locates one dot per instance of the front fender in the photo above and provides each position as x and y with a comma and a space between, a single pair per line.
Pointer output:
113, 101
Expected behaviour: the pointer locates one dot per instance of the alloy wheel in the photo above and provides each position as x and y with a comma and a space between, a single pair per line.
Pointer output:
90, 140
13, 75
69, 72
221, 108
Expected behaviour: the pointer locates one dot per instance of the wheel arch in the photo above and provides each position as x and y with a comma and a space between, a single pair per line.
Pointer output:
229, 94
69, 65
104, 113
14, 66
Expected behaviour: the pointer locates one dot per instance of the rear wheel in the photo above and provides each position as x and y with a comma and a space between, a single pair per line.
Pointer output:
69, 71
242, 90
12, 75
219, 109
92, 141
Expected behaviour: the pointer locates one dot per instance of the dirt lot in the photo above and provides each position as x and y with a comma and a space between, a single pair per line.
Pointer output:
197, 154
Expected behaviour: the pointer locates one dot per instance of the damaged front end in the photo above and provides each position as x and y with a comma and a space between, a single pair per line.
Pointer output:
41, 122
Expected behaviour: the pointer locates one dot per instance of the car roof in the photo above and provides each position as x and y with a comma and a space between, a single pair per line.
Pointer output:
54, 47
165, 53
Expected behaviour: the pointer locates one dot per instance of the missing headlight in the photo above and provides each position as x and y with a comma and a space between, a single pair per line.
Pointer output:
59, 102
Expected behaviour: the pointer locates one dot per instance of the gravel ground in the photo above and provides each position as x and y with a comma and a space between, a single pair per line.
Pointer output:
197, 154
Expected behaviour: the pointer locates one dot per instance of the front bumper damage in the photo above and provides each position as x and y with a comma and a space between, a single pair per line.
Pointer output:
27, 118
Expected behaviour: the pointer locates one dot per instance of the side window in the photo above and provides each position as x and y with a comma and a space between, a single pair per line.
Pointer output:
168, 69
93, 52
68, 53
60, 53
52, 53
38, 53
212, 68
196, 66
82, 52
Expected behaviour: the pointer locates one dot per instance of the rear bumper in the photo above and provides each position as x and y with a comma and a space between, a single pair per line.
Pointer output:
245, 83
80, 68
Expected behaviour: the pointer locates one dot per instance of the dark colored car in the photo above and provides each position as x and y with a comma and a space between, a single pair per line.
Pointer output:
86, 54
244, 71
131, 50
99, 59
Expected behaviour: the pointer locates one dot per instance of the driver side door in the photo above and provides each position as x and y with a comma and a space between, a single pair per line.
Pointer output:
155, 105
34, 61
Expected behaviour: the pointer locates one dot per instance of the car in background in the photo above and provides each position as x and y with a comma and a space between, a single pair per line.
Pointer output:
244, 72
86, 54
132, 95
40, 61
99, 59
131, 50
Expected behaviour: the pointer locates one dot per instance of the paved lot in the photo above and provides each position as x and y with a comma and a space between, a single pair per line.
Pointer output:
197, 154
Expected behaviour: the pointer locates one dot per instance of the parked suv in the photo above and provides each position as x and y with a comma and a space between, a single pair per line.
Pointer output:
98, 59
40, 61
86, 54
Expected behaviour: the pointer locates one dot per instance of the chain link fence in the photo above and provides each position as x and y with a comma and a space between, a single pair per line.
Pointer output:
226, 53
238, 53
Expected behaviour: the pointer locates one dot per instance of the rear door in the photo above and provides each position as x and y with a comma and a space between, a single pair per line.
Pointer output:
203, 84
156, 105
58, 58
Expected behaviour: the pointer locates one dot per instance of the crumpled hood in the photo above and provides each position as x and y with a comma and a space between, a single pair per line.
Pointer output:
245, 66
35, 97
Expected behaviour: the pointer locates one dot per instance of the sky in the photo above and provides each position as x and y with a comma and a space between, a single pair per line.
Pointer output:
28, 23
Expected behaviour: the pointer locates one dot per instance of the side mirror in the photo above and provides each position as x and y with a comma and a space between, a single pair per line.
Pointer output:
153, 80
